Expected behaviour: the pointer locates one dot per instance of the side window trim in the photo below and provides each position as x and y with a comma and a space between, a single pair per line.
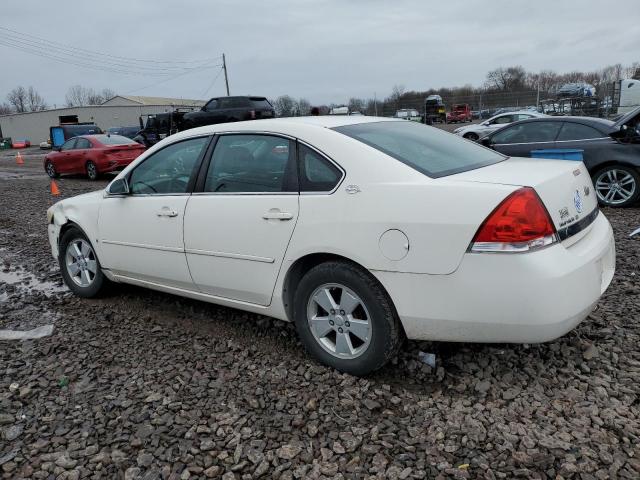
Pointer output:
207, 164
528, 143
194, 173
343, 173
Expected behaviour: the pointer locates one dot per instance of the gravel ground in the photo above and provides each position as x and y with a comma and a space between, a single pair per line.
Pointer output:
147, 385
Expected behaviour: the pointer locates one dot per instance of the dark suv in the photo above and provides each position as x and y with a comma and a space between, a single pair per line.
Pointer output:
229, 109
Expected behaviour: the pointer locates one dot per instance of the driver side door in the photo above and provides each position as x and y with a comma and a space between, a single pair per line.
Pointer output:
64, 158
141, 233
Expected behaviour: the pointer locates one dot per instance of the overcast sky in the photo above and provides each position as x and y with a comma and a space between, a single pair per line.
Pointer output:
323, 50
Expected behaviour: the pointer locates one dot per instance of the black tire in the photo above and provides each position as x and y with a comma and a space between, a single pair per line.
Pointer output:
99, 282
618, 171
386, 333
92, 171
50, 168
471, 136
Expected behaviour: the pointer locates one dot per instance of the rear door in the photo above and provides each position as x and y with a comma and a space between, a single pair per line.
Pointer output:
80, 154
592, 142
238, 226
520, 139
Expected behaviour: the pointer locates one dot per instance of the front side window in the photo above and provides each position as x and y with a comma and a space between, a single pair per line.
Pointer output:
212, 105
69, 144
428, 150
251, 164
317, 174
532, 132
168, 170
578, 131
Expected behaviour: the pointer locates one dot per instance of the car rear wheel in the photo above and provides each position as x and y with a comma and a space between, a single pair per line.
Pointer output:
50, 168
79, 265
92, 170
471, 136
345, 319
617, 186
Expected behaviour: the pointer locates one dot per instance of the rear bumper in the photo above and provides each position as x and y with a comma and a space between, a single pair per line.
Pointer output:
112, 165
513, 298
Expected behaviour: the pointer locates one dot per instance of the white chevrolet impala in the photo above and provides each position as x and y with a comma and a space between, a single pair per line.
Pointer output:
361, 230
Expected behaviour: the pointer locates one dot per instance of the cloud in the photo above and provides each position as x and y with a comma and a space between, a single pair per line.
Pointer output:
324, 50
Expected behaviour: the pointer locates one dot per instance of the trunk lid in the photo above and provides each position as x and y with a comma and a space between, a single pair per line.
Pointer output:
564, 187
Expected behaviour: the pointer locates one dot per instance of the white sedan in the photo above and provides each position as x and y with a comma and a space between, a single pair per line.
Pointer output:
478, 130
361, 230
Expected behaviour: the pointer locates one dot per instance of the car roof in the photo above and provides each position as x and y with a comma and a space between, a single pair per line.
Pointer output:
599, 123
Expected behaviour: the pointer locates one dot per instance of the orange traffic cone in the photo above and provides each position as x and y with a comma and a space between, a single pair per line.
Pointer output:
55, 191
19, 159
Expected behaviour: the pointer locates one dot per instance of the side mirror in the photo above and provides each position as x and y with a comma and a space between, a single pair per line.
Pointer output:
486, 124
486, 141
119, 186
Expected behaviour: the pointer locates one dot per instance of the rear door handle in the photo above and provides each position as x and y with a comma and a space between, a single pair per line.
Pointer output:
167, 212
276, 214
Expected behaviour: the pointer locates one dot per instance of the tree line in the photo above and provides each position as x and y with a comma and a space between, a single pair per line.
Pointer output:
501, 86
21, 99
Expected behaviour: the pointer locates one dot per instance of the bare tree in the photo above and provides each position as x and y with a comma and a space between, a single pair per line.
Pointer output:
303, 107
5, 109
506, 79
18, 99
35, 102
396, 93
284, 106
79, 96
356, 105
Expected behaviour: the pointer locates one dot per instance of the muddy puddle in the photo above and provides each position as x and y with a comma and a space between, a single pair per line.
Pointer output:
21, 281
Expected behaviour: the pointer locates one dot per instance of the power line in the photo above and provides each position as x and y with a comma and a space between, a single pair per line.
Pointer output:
168, 79
212, 83
75, 50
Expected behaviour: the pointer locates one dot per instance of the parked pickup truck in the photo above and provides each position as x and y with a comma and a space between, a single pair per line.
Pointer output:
460, 113
229, 109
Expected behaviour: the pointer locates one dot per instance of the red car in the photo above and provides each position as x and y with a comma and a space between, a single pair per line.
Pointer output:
92, 155
20, 143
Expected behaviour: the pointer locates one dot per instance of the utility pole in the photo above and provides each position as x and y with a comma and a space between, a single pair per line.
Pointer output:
375, 103
538, 96
226, 78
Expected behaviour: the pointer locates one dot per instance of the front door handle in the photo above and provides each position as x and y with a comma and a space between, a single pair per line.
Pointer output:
276, 214
167, 212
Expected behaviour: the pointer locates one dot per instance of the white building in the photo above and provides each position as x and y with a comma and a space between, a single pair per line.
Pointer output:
119, 111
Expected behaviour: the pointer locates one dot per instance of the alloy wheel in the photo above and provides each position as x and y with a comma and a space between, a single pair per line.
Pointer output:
615, 186
339, 321
92, 171
81, 262
51, 170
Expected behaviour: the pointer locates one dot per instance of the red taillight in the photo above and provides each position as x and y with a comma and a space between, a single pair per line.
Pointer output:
519, 224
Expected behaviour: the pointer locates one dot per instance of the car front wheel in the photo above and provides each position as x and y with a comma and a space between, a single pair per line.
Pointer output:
617, 186
345, 319
471, 136
79, 265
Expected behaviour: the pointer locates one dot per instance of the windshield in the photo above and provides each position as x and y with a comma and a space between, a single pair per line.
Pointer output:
430, 151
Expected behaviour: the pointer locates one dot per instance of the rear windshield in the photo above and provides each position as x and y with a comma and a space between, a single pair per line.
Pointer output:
261, 103
113, 140
76, 130
427, 149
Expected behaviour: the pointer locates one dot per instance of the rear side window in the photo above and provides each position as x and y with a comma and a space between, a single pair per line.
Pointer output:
578, 131
532, 132
261, 103
317, 174
234, 102
82, 143
252, 164
426, 149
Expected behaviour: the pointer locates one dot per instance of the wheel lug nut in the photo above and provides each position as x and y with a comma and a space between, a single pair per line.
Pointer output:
332, 312
340, 329
346, 324
330, 322
341, 312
